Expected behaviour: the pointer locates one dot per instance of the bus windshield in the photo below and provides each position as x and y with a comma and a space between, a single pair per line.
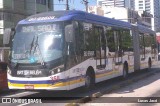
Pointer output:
34, 43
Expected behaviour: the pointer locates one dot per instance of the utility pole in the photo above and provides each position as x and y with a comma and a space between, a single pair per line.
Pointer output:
86, 4
67, 5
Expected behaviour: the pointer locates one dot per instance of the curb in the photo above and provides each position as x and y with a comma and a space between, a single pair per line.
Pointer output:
114, 87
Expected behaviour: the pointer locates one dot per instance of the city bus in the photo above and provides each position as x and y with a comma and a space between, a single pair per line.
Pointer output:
63, 50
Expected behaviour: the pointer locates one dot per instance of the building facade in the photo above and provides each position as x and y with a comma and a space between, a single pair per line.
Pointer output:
152, 7
12, 11
116, 3
38, 6
129, 15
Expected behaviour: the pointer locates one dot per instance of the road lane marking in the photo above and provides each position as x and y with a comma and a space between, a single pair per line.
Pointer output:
20, 94
23, 104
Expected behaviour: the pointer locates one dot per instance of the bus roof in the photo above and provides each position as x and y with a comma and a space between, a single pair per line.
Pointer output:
54, 16
144, 29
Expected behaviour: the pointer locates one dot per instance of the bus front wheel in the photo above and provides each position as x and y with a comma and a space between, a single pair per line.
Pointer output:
125, 71
149, 63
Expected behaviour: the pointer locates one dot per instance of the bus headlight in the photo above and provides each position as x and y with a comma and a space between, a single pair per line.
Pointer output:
52, 72
57, 70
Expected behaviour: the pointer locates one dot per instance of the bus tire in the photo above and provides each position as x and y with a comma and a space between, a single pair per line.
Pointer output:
125, 71
149, 63
89, 80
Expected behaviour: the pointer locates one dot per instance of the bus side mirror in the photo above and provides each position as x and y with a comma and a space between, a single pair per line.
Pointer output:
69, 33
7, 35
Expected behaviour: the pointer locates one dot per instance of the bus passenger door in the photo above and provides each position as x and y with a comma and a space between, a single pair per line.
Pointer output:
100, 41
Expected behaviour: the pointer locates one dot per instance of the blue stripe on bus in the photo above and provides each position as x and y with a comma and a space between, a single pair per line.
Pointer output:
45, 81
53, 81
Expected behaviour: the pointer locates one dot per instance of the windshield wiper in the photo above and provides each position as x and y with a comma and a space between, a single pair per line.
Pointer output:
32, 44
36, 45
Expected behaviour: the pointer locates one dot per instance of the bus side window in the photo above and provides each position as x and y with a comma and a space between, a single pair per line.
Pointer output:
110, 40
70, 50
76, 47
142, 46
115, 44
79, 41
89, 40
103, 41
153, 46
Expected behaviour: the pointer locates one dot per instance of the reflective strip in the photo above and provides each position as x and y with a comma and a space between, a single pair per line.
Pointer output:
59, 84
106, 74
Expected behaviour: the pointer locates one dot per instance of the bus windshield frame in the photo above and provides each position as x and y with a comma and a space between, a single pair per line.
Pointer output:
34, 43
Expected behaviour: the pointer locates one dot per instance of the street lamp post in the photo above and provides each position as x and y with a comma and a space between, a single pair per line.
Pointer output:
86, 4
67, 5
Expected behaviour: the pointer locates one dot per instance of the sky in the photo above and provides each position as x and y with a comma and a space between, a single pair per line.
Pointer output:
74, 4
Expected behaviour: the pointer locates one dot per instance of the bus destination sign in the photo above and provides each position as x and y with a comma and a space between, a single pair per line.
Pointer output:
42, 18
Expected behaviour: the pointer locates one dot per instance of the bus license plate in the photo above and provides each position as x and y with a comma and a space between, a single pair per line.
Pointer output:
29, 86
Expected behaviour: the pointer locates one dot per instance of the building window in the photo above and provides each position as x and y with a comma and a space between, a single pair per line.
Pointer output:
41, 2
8, 17
1, 16
140, 7
49, 4
140, 1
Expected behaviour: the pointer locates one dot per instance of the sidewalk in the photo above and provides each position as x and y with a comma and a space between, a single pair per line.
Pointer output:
149, 87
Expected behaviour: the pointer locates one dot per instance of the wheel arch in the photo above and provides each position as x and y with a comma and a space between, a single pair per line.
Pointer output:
149, 62
91, 70
126, 64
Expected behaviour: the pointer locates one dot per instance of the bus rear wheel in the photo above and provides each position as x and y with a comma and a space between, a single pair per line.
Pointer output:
89, 80
125, 71
149, 63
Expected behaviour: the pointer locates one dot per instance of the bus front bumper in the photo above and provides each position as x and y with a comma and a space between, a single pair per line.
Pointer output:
32, 86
